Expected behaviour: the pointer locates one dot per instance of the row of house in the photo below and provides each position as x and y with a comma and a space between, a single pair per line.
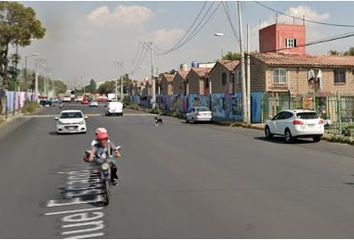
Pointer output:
281, 67
269, 73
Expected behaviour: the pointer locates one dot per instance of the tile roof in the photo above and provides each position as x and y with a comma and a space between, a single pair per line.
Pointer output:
229, 64
276, 59
201, 71
183, 74
168, 77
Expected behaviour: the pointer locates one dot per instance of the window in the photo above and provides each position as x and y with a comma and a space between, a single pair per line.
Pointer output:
339, 76
280, 76
238, 77
223, 79
290, 42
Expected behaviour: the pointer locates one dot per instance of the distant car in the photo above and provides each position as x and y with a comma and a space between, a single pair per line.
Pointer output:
85, 101
45, 103
79, 99
71, 121
67, 99
199, 114
114, 108
93, 104
295, 124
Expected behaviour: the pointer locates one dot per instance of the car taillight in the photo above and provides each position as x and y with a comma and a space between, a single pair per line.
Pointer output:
297, 122
197, 114
321, 121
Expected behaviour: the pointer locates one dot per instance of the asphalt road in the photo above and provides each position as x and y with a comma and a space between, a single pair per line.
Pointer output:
177, 181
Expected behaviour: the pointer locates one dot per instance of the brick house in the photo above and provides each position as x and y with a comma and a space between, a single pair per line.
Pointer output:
198, 81
222, 76
179, 82
166, 84
146, 88
271, 72
283, 38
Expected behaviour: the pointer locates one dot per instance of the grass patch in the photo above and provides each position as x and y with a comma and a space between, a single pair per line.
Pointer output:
30, 107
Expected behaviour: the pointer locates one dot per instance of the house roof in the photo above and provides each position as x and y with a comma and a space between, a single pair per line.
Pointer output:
229, 64
168, 77
202, 72
276, 59
183, 74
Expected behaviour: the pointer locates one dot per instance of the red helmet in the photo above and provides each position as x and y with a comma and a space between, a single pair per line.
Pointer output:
102, 136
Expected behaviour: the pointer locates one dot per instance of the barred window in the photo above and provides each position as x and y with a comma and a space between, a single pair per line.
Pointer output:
339, 76
280, 76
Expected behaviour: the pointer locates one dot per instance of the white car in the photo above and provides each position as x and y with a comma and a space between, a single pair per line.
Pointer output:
71, 121
67, 99
295, 124
93, 104
114, 108
199, 114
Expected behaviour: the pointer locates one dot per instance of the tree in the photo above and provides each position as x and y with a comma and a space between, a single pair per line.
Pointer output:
334, 53
18, 26
350, 52
232, 56
92, 87
106, 87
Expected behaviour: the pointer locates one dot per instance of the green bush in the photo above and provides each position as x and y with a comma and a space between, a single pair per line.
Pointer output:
134, 106
30, 107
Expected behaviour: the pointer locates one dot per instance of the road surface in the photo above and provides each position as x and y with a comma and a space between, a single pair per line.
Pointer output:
177, 181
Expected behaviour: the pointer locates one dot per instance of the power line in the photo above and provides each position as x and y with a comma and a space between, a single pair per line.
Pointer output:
195, 31
304, 19
324, 40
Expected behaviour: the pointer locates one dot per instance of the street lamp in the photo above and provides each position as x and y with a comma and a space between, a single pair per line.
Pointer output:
26, 60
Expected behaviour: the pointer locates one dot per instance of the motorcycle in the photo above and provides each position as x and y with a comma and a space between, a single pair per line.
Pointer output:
104, 162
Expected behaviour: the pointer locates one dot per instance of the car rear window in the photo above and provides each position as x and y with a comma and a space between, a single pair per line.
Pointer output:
202, 109
307, 115
71, 115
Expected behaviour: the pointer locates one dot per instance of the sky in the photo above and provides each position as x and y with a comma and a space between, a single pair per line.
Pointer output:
84, 40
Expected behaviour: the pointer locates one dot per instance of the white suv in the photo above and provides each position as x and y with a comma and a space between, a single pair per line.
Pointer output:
295, 124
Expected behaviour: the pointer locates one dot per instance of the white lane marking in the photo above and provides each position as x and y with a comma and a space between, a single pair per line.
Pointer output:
73, 211
90, 235
98, 226
89, 115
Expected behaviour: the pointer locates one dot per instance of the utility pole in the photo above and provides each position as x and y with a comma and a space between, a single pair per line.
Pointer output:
116, 83
153, 101
121, 88
244, 96
248, 75
36, 72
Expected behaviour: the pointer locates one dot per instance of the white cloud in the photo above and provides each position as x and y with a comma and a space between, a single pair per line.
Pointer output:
163, 37
122, 16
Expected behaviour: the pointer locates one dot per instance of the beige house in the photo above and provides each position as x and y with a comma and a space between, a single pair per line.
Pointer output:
198, 81
302, 74
146, 88
179, 82
222, 76
166, 84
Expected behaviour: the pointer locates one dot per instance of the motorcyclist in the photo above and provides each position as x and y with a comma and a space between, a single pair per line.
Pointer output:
102, 141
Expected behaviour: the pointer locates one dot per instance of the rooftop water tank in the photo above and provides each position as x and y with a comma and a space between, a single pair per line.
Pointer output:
195, 64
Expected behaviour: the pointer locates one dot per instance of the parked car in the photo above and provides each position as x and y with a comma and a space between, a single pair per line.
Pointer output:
295, 124
71, 121
93, 104
199, 114
114, 108
67, 99
85, 101
45, 103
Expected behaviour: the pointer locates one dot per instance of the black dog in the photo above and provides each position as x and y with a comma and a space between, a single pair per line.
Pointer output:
158, 122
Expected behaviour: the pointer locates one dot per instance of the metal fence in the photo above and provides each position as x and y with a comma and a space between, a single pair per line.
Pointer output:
336, 110
12, 102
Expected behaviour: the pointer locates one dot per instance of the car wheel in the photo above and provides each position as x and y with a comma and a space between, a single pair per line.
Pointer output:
288, 136
268, 133
192, 120
317, 138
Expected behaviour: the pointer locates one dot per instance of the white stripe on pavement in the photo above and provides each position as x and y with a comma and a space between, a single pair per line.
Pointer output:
89, 115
